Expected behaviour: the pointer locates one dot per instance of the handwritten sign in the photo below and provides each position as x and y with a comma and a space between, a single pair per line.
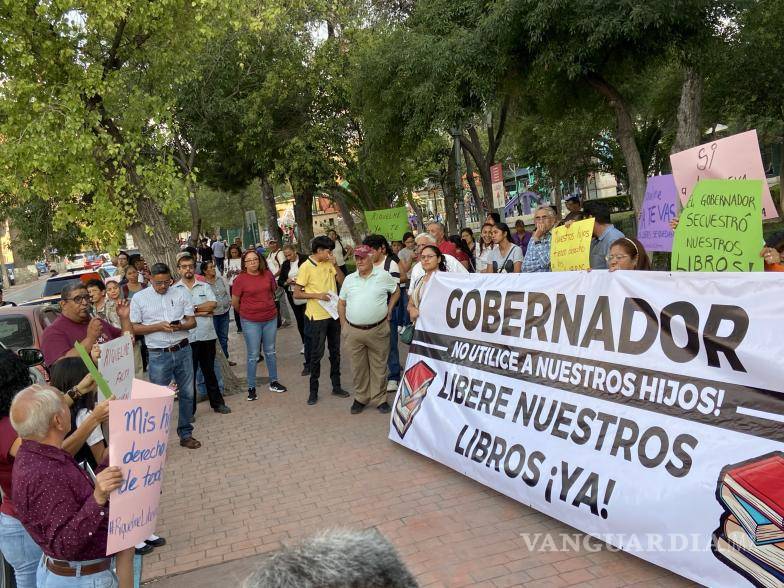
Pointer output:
570, 248
116, 365
389, 222
103, 385
138, 438
658, 209
497, 184
720, 230
734, 158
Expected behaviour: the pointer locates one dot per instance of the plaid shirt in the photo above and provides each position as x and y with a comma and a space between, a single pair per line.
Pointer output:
537, 258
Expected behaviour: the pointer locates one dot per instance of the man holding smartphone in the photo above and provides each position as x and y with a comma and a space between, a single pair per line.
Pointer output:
164, 315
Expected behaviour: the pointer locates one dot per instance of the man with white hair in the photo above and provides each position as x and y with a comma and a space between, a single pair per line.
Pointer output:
537, 256
56, 501
452, 265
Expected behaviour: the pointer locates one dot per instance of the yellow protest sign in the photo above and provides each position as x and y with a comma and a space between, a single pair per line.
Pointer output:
570, 247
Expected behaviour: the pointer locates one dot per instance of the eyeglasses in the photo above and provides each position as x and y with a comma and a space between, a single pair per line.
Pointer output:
161, 282
616, 257
81, 299
545, 217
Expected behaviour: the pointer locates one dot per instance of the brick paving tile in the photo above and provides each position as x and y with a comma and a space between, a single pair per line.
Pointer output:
276, 470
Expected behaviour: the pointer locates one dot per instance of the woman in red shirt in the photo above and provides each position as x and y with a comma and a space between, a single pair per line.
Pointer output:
253, 296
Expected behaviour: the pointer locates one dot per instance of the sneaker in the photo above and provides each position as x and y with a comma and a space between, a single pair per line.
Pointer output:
392, 386
340, 393
305, 371
222, 409
384, 408
252, 394
277, 387
357, 407
312, 399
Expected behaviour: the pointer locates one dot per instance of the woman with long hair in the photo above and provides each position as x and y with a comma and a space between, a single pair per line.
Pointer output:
484, 247
506, 257
462, 247
253, 296
628, 254
220, 316
233, 263
432, 261
340, 252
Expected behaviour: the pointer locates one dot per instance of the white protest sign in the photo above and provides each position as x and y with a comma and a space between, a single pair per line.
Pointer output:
116, 365
640, 407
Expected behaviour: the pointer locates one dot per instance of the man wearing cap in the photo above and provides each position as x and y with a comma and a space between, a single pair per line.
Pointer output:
574, 207
367, 299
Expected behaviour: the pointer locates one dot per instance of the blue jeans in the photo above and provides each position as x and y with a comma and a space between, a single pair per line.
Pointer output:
221, 323
19, 550
46, 579
255, 334
178, 366
201, 388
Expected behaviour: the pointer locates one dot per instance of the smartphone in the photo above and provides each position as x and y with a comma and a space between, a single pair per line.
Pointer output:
174, 323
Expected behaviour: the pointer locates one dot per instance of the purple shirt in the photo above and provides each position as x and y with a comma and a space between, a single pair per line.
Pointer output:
521, 240
59, 337
54, 501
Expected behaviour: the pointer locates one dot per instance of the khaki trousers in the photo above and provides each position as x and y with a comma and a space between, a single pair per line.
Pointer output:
369, 349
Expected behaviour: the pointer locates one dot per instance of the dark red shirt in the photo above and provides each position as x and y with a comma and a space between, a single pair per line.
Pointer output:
54, 501
59, 337
7, 438
257, 296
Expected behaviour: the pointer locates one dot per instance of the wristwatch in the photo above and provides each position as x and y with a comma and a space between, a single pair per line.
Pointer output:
73, 393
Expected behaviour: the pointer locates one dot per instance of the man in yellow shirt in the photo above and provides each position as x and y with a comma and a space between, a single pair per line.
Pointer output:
317, 282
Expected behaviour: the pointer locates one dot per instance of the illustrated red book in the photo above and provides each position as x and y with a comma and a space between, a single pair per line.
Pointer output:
761, 484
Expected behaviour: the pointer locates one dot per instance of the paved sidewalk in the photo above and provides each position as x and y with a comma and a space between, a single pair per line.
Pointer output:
277, 470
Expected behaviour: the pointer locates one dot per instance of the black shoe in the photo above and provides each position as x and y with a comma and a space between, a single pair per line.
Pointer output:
305, 371
340, 393
357, 407
384, 408
223, 409
260, 359
144, 550
232, 363
159, 542
277, 387
252, 394
312, 399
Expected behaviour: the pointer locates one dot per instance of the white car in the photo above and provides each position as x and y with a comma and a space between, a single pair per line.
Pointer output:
75, 262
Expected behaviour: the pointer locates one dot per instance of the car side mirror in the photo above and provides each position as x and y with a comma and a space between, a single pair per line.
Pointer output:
31, 357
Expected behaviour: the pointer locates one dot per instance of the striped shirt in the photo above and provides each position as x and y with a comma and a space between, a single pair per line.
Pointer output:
148, 307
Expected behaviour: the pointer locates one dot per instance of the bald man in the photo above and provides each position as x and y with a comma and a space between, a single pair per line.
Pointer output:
55, 499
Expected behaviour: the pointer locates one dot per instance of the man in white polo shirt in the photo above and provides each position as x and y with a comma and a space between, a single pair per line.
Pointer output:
367, 299
203, 338
164, 315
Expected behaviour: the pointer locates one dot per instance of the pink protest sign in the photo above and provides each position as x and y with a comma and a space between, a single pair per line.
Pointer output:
733, 158
658, 209
138, 439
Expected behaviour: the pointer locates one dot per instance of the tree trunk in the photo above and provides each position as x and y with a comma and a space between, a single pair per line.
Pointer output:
473, 145
625, 135
448, 187
268, 202
303, 214
195, 215
478, 202
420, 214
689, 114
153, 235
231, 383
345, 213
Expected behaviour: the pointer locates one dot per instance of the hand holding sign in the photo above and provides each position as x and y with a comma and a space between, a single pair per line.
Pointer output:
116, 365
571, 246
654, 229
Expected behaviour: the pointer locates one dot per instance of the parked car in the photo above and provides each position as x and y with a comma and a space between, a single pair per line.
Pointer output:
109, 268
75, 262
21, 329
93, 261
55, 284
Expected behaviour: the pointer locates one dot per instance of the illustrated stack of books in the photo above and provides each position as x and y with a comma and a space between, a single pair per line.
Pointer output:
751, 538
413, 390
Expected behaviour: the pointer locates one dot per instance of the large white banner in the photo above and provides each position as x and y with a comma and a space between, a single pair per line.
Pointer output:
643, 408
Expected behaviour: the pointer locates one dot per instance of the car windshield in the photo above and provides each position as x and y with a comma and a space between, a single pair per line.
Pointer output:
54, 286
16, 332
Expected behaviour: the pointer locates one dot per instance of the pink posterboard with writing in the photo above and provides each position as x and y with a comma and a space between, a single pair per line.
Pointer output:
736, 157
138, 439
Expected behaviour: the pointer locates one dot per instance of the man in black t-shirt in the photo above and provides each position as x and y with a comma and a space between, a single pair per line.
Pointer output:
205, 251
